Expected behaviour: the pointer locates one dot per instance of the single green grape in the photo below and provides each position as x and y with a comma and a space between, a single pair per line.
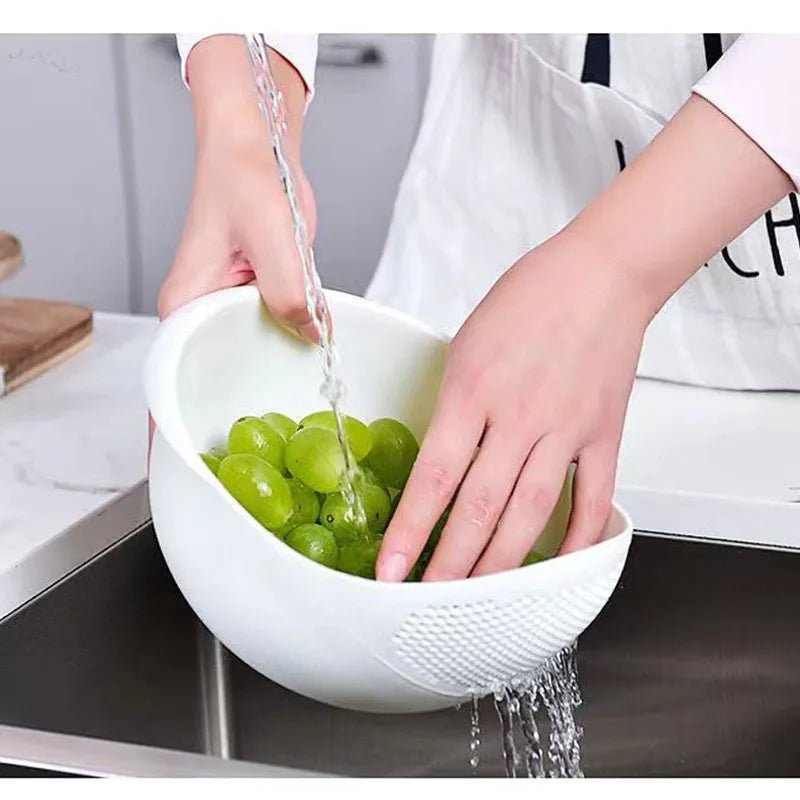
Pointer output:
284, 425
316, 543
369, 476
394, 450
305, 506
375, 502
358, 434
313, 455
333, 515
377, 507
213, 458
358, 557
258, 487
253, 435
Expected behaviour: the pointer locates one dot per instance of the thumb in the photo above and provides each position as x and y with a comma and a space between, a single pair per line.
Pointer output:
273, 253
202, 265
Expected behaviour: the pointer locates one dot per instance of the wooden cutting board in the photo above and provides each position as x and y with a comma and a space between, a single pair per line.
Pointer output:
36, 335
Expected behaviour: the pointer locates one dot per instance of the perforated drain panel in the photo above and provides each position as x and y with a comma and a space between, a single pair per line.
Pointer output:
480, 644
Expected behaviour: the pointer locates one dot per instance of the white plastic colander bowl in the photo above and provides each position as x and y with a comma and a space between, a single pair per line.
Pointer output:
339, 639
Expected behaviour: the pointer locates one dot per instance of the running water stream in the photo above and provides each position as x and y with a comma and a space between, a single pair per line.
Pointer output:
273, 109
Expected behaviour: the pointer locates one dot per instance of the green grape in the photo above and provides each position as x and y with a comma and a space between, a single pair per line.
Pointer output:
394, 450
305, 506
370, 477
258, 487
333, 515
213, 458
313, 455
358, 557
552, 537
375, 503
316, 543
253, 435
533, 558
284, 425
376, 506
358, 434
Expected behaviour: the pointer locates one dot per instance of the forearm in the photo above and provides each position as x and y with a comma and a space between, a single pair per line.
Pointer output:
223, 93
698, 185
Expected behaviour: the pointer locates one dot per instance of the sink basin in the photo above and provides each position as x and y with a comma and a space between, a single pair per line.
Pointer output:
690, 670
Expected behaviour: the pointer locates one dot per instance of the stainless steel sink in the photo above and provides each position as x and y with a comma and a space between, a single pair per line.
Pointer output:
692, 669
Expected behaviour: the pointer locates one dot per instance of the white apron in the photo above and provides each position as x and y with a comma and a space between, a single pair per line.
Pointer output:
519, 134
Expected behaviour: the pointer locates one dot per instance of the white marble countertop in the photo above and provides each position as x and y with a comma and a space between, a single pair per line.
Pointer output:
74, 438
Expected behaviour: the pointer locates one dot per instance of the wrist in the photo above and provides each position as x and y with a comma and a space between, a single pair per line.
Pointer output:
587, 261
697, 186
225, 101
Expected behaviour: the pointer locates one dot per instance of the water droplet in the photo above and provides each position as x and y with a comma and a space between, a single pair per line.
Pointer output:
474, 734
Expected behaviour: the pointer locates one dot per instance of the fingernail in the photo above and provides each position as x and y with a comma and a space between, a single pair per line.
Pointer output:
393, 569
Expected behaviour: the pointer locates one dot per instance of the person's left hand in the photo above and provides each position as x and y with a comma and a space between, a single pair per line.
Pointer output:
538, 377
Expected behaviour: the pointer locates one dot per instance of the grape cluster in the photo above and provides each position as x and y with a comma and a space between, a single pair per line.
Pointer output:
288, 476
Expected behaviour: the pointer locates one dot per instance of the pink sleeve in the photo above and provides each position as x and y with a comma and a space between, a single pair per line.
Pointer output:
755, 84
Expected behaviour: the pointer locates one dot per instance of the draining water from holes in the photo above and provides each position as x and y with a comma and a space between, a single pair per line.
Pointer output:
539, 735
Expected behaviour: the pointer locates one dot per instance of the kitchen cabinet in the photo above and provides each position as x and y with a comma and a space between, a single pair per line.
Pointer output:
61, 169
97, 158
160, 126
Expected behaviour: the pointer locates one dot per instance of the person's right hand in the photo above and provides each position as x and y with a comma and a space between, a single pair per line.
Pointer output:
238, 229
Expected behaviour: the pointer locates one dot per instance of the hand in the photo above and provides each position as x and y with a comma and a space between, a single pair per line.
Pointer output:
538, 376
238, 228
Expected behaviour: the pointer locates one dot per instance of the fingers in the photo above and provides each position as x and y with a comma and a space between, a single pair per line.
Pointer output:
240, 230
480, 502
267, 237
444, 457
592, 493
532, 502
